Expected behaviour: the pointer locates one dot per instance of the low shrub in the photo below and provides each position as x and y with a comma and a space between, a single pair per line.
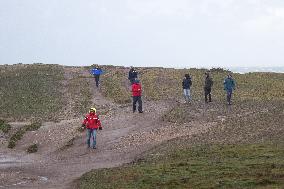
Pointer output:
32, 148
5, 127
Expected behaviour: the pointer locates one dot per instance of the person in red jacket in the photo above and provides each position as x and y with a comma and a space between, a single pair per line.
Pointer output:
136, 94
92, 123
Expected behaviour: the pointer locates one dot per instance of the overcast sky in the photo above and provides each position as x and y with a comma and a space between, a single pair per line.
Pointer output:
168, 33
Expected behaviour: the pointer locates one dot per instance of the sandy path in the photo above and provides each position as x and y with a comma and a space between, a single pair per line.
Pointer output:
124, 137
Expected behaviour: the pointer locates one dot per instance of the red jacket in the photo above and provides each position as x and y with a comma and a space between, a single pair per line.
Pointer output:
92, 121
136, 89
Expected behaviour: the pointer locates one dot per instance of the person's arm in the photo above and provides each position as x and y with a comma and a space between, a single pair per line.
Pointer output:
99, 124
234, 84
85, 122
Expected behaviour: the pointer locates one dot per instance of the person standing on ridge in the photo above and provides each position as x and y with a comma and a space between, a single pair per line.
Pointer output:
229, 86
186, 84
136, 94
92, 123
207, 87
97, 71
132, 75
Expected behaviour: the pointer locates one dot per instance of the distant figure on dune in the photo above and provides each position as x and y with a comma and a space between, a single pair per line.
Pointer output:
92, 123
186, 84
229, 86
132, 75
96, 72
207, 87
136, 95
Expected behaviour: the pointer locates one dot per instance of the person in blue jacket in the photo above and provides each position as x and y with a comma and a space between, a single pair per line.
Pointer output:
97, 71
229, 86
186, 84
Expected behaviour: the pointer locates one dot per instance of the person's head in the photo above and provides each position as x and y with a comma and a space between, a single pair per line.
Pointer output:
229, 75
186, 76
207, 74
93, 110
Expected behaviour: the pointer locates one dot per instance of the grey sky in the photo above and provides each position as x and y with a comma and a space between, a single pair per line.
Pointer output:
168, 33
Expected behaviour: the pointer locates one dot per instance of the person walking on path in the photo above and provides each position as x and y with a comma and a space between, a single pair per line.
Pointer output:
136, 95
186, 84
207, 87
132, 75
229, 86
97, 71
92, 123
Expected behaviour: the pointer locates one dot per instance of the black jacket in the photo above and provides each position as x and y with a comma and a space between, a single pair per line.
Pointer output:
208, 83
132, 74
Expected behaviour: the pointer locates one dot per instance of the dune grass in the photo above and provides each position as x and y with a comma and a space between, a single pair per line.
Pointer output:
165, 83
217, 166
114, 85
4, 127
30, 91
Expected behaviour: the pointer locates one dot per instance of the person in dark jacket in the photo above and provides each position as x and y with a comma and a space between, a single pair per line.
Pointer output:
207, 87
229, 86
96, 72
136, 94
186, 84
132, 75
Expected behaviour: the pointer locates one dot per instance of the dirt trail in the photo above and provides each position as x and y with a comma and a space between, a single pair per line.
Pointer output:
124, 137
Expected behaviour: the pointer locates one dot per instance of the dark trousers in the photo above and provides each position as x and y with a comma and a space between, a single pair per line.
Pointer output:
135, 100
229, 95
97, 79
207, 92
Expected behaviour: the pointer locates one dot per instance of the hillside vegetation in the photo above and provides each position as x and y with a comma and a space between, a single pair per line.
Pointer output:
165, 83
238, 166
46, 92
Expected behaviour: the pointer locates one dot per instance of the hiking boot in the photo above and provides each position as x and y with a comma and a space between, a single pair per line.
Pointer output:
94, 147
141, 112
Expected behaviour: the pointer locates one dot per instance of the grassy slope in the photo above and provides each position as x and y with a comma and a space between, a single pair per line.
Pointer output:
30, 91
241, 166
38, 91
159, 83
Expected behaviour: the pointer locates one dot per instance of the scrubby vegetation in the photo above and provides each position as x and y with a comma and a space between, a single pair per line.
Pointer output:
32, 148
165, 83
28, 91
4, 127
20, 133
115, 86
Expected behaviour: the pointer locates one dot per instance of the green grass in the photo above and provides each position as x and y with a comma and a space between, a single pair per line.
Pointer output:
20, 133
216, 166
114, 86
30, 91
4, 127
79, 88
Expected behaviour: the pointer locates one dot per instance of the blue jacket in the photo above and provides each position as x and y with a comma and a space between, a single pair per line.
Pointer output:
229, 84
96, 71
186, 83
